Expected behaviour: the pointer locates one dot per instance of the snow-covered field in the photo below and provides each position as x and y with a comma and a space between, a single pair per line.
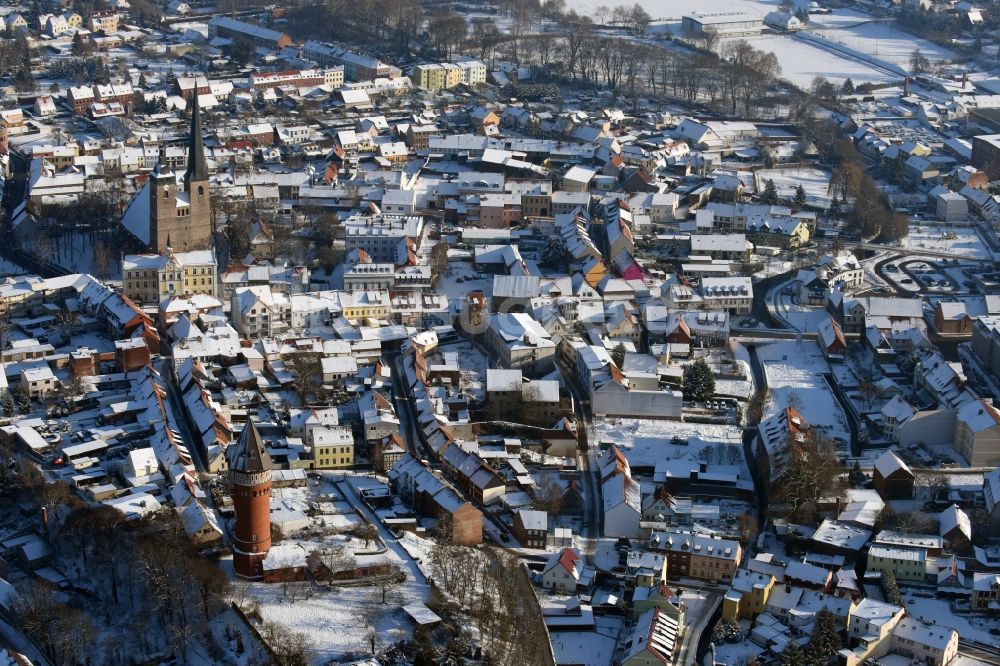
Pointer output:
962, 241
675, 9
801, 62
794, 375
339, 620
885, 42
332, 618
816, 183
645, 441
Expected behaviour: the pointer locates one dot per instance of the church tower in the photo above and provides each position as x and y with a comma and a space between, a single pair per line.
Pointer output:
250, 487
196, 184
182, 220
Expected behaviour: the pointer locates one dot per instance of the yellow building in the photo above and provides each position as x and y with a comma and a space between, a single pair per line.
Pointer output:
784, 232
152, 278
430, 77
747, 596
365, 304
594, 273
334, 77
452, 75
332, 447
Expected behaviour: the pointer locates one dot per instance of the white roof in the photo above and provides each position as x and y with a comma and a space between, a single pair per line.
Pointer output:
952, 518
888, 463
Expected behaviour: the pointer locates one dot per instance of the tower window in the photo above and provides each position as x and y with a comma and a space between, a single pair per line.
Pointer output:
201, 191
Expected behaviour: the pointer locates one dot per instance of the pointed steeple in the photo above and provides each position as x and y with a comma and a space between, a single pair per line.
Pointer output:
249, 453
197, 170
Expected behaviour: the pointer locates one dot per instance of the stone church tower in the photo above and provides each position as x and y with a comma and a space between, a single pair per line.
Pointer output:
182, 219
250, 486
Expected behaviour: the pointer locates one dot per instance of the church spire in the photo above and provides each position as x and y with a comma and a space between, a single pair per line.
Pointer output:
197, 170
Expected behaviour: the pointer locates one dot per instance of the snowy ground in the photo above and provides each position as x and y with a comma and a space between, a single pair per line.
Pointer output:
473, 364
588, 648
460, 279
335, 619
737, 654
7, 269
800, 317
885, 42
645, 441
801, 62
940, 612
794, 375
676, 9
816, 183
963, 241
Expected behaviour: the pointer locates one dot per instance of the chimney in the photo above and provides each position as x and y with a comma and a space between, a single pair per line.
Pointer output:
906, 86
45, 521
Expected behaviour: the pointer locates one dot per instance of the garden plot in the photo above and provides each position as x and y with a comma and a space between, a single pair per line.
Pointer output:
644, 442
794, 373
816, 183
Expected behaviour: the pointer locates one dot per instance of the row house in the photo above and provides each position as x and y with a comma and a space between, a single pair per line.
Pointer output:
428, 494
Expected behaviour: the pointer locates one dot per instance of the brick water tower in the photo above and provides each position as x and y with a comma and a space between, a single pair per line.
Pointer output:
250, 487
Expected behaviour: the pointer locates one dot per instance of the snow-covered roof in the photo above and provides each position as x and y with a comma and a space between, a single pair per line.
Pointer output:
889, 463
953, 518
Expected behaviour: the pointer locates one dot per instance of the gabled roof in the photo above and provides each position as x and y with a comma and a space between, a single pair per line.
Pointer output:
889, 463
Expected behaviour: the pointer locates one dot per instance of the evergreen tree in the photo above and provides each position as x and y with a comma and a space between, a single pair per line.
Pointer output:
699, 383
142, 81
24, 80
554, 251
793, 655
618, 355
848, 87
770, 194
825, 639
800, 196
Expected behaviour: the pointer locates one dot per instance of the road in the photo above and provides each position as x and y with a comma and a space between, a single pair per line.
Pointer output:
404, 409
416, 445
177, 418
586, 461
390, 541
845, 405
988, 654
750, 436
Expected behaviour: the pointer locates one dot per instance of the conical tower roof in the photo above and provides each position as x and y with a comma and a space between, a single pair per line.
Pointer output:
197, 170
248, 454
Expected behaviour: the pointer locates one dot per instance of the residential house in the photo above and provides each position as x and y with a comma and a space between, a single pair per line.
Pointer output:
977, 433
653, 640
565, 571
531, 528
892, 478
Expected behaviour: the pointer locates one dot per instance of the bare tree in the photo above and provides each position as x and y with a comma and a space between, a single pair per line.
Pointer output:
550, 496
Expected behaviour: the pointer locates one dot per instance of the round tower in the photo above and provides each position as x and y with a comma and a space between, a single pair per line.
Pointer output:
250, 487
